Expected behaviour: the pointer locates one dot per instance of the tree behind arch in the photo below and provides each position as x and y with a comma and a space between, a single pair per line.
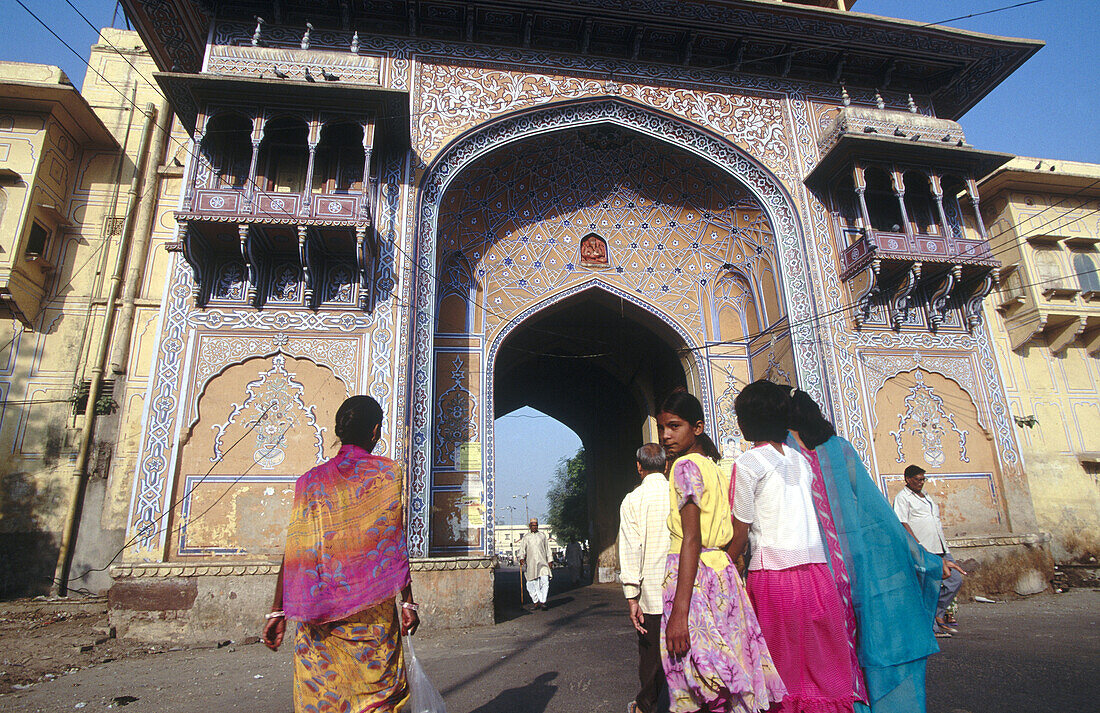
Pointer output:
567, 500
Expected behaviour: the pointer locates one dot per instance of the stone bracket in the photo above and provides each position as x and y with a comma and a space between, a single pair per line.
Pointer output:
972, 310
900, 302
863, 302
1061, 335
938, 301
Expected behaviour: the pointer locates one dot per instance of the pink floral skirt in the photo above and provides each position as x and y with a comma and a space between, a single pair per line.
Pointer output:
728, 667
802, 618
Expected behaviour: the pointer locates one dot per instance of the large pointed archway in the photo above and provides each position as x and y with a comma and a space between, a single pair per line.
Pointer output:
682, 225
599, 364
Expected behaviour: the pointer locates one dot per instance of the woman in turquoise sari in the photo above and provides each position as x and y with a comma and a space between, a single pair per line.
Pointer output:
894, 582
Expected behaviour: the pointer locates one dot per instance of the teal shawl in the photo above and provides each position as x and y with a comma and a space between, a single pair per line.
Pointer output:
895, 582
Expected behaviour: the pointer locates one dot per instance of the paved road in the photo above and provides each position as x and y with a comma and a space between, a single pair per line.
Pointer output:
1032, 656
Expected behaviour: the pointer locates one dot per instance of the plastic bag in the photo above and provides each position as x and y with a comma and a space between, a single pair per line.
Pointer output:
423, 698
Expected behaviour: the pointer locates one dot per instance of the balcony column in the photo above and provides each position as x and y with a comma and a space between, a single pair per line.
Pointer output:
937, 193
368, 185
972, 193
253, 165
252, 269
860, 181
307, 191
897, 181
364, 259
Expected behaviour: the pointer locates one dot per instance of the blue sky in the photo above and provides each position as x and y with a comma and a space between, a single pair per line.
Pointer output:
1046, 109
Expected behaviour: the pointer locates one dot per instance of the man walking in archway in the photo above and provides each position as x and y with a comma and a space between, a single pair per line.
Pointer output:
534, 560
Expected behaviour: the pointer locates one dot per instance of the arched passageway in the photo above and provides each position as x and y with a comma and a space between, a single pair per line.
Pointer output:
598, 364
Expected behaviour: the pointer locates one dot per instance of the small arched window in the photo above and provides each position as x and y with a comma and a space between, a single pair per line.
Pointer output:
1087, 270
284, 154
1048, 269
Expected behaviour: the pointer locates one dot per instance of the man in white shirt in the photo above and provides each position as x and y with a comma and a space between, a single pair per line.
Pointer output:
643, 551
921, 517
534, 560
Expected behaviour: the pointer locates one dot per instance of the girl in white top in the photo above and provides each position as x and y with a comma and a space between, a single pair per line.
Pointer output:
789, 582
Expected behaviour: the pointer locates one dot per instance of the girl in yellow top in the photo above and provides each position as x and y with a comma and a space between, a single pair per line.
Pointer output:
714, 656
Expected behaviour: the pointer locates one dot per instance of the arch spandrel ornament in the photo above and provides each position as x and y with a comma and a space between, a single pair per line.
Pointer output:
477, 143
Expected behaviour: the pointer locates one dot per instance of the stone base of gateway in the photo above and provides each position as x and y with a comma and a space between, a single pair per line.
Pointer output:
202, 603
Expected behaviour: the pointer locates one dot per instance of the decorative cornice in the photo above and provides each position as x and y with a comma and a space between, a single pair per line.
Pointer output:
1031, 539
174, 569
450, 564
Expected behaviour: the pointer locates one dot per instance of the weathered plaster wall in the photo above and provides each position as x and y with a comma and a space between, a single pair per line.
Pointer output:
42, 364
1059, 387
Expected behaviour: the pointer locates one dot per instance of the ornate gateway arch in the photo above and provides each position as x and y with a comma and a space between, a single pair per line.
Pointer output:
762, 190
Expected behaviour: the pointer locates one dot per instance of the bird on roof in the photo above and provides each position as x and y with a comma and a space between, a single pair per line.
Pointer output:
309, 77
281, 74
329, 76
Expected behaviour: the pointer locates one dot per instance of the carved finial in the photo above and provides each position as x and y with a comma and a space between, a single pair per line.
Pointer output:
355, 43
912, 105
259, 29
844, 95
305, 37
878, 100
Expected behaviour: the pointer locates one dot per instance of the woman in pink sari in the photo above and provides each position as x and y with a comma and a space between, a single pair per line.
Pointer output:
345, 563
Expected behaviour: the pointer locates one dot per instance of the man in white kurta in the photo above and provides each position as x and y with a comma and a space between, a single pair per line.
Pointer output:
643, 552
921, 517
534, 560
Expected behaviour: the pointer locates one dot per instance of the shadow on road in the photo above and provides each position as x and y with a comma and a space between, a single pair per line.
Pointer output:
532, 698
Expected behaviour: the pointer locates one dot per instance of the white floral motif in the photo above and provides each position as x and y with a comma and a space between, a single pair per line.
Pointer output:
335, 207
273, 406
217, 202
454, 98
925, 416
278, 204
456, 417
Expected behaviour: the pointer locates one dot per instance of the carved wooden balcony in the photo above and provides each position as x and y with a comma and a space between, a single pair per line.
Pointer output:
892, 266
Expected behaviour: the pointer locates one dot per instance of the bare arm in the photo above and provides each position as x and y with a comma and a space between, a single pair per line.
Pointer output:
275, 627
410, 620
909, 529
736, 546
676, 634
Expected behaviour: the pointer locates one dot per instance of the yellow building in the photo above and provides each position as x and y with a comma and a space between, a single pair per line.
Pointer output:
68, 201
1044, 223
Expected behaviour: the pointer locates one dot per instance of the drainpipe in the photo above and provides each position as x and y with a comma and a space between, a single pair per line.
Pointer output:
143, 232
68, 538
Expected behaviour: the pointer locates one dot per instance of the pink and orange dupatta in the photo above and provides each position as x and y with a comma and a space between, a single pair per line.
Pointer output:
346, 542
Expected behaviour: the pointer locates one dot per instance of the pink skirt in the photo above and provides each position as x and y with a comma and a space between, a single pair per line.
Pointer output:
802, 619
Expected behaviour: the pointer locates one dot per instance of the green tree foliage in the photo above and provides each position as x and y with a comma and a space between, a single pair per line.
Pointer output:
567, 500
